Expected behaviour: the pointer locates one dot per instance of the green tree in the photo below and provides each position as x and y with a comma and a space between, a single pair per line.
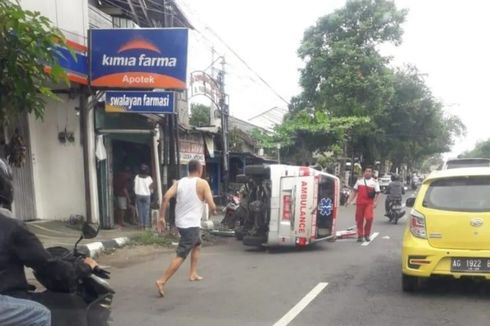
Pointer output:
308, 133
481, 150
415, 125
344, 72
345, 75
200, 115
27, 42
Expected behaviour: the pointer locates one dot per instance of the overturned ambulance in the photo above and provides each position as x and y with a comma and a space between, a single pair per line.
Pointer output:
284, 205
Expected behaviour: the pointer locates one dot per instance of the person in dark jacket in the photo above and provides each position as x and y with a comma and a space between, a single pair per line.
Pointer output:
20, 248
394, 192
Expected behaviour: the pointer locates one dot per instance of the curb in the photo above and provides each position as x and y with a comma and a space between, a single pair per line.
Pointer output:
94, 249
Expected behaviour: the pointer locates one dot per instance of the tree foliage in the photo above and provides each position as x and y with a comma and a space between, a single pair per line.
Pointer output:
347, 79
27, 42
200, 115
344, 73
416, 126
308, 133
481, 150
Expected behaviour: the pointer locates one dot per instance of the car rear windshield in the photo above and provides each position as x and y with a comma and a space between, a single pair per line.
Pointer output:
462, 194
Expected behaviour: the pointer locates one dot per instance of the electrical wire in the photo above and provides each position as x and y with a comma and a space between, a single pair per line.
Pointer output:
201, 35
243, 61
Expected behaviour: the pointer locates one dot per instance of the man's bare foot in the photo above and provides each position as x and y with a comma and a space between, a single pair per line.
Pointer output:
159, 285
196, 277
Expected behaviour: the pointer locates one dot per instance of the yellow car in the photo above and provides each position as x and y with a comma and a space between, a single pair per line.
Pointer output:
448, 231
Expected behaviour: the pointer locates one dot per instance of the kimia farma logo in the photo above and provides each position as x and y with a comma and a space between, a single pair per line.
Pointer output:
152, 58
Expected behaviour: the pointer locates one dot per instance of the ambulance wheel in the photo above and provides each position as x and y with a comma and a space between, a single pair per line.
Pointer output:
257, 171
253, 240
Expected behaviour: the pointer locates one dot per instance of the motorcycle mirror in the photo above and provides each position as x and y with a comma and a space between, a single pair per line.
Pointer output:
410, 202
90, 231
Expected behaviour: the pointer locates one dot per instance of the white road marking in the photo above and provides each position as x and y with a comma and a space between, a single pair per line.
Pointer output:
298, 308
386, 237
373, 236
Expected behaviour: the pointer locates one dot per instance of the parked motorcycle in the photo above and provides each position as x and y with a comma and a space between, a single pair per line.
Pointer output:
232, 204
395, 210
344, 195
91, 299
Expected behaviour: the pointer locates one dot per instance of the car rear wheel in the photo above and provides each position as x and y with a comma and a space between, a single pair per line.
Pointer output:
410, 283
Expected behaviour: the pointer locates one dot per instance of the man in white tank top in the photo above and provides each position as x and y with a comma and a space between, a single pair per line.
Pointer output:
191, 193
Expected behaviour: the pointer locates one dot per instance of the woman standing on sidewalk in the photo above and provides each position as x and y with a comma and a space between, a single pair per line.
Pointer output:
143, 187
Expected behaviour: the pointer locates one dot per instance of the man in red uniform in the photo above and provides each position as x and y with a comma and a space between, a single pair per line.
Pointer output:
366, 193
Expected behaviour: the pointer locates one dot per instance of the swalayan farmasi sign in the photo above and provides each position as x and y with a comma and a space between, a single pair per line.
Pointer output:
139, 102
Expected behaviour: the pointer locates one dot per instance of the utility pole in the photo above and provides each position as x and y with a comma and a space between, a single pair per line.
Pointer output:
279, 153
212, 107
224, 126
213, 54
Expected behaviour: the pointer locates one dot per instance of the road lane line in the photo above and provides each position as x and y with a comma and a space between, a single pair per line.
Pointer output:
298, 308
373, 236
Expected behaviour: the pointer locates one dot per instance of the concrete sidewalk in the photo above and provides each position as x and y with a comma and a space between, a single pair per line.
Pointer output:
59, 233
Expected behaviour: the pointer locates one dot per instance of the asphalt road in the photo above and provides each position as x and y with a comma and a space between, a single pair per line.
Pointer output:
342, 283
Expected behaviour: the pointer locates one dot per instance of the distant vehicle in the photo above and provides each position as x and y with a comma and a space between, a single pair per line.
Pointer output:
465, 163
288, 206
344, 195
395, 210
384, 181
449, 227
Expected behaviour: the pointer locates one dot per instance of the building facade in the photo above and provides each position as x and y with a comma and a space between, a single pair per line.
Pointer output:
62, 173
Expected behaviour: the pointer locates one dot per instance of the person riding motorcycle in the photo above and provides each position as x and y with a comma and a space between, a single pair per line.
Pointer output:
394, 192
20, 248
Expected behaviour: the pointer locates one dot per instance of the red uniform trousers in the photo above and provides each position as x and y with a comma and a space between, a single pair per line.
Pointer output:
364, 219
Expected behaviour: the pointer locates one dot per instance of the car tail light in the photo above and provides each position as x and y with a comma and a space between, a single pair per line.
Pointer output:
286, 207
417, 225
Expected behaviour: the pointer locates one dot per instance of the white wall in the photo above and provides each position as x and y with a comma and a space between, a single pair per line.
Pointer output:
71, 16
57, 168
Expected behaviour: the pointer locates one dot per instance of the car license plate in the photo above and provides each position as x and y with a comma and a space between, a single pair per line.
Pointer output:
479, 265
397, 207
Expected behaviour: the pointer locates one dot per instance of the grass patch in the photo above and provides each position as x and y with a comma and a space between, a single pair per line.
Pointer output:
150, 238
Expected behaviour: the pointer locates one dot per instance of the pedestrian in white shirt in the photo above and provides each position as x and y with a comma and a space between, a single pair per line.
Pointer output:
143, 187
191, 193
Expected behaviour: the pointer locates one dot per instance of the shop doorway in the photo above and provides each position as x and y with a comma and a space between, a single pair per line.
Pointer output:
123, 152
130, 154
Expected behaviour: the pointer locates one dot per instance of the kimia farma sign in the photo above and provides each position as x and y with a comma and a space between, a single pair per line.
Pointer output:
138, 58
